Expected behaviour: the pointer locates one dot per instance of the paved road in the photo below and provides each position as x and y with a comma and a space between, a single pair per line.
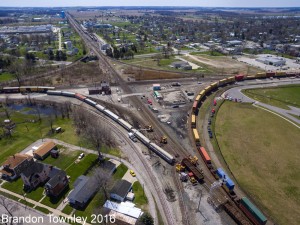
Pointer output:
236, 93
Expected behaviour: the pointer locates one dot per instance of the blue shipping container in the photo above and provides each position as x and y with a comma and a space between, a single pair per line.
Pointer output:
221, 174
229, 184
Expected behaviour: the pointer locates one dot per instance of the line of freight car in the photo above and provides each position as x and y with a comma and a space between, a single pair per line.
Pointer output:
195, 170
158, 150
235, 214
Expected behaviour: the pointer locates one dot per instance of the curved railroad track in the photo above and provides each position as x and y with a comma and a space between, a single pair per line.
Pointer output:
162, 200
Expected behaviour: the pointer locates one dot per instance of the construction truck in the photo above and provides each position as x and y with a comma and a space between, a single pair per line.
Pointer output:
164, 140
149, 128
179, 167
192, 178
193, 160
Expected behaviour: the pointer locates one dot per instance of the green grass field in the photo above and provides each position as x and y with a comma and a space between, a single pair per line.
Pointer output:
140, 199
120, 172
262, 152
279, 96
26, 133
6, 77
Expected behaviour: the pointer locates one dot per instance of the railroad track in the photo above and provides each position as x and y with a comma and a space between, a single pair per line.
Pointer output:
174, 147
159, 192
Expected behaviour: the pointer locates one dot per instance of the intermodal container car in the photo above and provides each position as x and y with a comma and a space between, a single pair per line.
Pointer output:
270, 74
229, 185
195, 106
239, 77
205, 155
252, 212
193, 121
196, 136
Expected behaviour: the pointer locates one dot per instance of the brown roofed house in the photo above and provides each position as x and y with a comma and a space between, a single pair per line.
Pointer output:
44, 150
15, 165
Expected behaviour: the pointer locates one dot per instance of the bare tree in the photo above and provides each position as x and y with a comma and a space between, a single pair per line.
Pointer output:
103, 179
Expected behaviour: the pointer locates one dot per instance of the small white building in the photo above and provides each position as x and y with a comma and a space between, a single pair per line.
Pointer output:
270, 60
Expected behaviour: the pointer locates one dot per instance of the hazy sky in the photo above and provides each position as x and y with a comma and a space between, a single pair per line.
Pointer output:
214, 3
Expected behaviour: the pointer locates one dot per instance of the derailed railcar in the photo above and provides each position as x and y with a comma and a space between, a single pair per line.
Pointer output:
162, 153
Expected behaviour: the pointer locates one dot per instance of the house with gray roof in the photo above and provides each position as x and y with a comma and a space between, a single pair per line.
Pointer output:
57, 182
84, 189
120, 190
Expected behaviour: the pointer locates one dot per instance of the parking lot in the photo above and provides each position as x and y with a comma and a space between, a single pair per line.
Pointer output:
290, 63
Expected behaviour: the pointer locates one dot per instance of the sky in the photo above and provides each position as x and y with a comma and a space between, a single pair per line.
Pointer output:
204, 3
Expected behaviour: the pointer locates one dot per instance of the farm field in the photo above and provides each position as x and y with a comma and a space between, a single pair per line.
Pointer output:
261, 151
278, 96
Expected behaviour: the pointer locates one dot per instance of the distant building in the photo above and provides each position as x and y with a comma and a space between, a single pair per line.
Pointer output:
234, 43
15, 165
181, 65
120, 190
270, 60
62, 14
104, 88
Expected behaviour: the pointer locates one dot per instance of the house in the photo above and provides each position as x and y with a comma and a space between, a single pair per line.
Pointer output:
15, 165
34, 175
44, 150
84, 189
38, 173
120, 190
57, 183
181, 65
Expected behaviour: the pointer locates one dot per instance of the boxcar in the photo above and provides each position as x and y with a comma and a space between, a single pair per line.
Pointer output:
252, 212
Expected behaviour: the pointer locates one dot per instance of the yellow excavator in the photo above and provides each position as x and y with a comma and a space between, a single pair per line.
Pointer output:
163, 140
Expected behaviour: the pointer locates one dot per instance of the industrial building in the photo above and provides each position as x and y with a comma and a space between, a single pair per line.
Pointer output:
270, 60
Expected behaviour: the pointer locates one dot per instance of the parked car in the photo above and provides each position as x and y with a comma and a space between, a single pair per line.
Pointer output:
132, 173
81, 156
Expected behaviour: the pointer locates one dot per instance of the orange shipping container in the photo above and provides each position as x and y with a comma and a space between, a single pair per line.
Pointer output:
205, 155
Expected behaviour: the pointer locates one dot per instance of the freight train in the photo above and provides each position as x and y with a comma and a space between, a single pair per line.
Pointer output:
151, 145
230, 80
249, 209
26, 89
